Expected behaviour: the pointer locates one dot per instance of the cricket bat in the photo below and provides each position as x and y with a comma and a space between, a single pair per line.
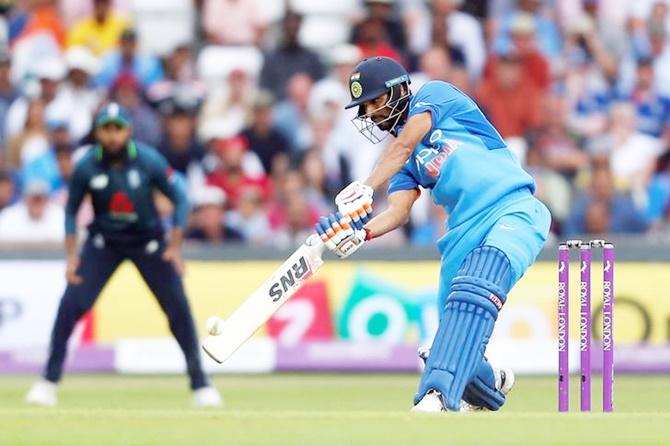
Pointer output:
266, 300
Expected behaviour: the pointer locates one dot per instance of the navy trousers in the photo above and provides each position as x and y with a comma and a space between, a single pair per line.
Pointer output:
99, 260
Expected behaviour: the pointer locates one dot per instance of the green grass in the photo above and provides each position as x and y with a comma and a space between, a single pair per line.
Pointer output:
320, 410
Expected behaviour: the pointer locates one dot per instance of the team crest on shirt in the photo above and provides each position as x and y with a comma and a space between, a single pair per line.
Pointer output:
133, 178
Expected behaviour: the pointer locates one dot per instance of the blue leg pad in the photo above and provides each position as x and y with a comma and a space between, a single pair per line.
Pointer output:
477, 294
481, 391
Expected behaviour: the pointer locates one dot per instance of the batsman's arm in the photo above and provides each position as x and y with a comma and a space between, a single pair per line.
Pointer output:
395, 215
397, 153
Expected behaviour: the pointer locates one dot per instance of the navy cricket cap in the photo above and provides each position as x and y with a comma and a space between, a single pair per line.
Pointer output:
373, 77
112, 113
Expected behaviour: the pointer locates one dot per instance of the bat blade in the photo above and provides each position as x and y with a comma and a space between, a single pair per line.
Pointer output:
266, 300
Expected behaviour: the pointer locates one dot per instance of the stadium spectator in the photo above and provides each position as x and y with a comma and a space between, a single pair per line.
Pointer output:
34, 218
8, 92
372, 40
632, 154
552, 188
32, 141
146, 127
250, 218
50, 73
334, 89
548, 34
7, 189
535, 66
237, 168
265, 140
208, 221
179, 145
653, 110
54, 166
290, 115
298, 224
292, 185
42, 18
226, 112
603, 210
76, 96
510, 100
557, 146
180, 79
146, 68
288, 59
233, 22
383, 11
658, 206
652, 42
444, 25
319, 189
101, 31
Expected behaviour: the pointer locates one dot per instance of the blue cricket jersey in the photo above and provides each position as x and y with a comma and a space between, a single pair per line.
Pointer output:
462, 159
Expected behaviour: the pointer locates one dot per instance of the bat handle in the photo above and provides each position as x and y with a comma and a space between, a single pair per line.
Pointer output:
314, 241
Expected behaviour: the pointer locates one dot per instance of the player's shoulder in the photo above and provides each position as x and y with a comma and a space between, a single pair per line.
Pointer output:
84, 158
436, 90
147, 154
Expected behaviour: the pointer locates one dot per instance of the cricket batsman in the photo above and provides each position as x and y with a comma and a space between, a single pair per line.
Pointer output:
496, 227
121, 175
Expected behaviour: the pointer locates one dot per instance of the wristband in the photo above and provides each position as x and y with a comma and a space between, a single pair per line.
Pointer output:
368, 234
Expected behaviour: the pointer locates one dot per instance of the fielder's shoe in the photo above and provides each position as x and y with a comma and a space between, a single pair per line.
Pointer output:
206, 397
430, 403
42, 393
504, 382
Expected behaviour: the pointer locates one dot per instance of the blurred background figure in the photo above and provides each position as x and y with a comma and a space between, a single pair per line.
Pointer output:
233, 22
33, 219
208, 223
289, 58
602, 210
101, 31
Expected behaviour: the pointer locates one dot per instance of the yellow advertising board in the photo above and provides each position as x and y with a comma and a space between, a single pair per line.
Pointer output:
642, 310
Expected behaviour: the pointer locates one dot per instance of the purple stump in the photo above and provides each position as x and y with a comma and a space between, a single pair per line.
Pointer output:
608, 328
563, 311
585, 326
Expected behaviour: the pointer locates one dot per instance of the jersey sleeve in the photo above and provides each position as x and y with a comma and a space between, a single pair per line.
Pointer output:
76, 191
438, 98
167, 182
403, 180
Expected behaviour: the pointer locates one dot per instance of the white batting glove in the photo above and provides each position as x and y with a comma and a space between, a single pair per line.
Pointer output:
355, 201
339, 235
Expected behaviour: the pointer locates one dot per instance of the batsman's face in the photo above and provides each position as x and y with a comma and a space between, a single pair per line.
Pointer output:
378, 112
113, 137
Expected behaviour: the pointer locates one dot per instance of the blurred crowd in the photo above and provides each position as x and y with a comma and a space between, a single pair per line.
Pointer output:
248, 107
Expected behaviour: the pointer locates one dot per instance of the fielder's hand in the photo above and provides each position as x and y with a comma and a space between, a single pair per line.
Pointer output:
355, 201
339, 235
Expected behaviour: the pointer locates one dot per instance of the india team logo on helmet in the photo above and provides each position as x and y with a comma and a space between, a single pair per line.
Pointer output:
355, 85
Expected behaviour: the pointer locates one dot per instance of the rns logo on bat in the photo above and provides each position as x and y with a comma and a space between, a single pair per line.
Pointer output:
290, 280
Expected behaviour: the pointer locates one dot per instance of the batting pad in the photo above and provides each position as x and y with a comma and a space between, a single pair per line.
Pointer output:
477, 294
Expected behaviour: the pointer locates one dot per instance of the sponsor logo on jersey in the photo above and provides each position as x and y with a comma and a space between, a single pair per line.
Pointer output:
290, 280
121, 208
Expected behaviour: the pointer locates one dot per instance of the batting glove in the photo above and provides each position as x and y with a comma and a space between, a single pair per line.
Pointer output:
339, 235
355, 201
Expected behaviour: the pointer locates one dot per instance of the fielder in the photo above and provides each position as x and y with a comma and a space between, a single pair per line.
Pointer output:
496, 227
121, 176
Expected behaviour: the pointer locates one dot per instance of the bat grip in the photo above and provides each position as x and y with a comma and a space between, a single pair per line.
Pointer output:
314, 241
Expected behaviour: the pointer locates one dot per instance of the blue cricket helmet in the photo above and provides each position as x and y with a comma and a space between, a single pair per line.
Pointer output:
370, 80
374, 77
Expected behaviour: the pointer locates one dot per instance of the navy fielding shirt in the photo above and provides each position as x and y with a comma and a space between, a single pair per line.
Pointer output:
123, 194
